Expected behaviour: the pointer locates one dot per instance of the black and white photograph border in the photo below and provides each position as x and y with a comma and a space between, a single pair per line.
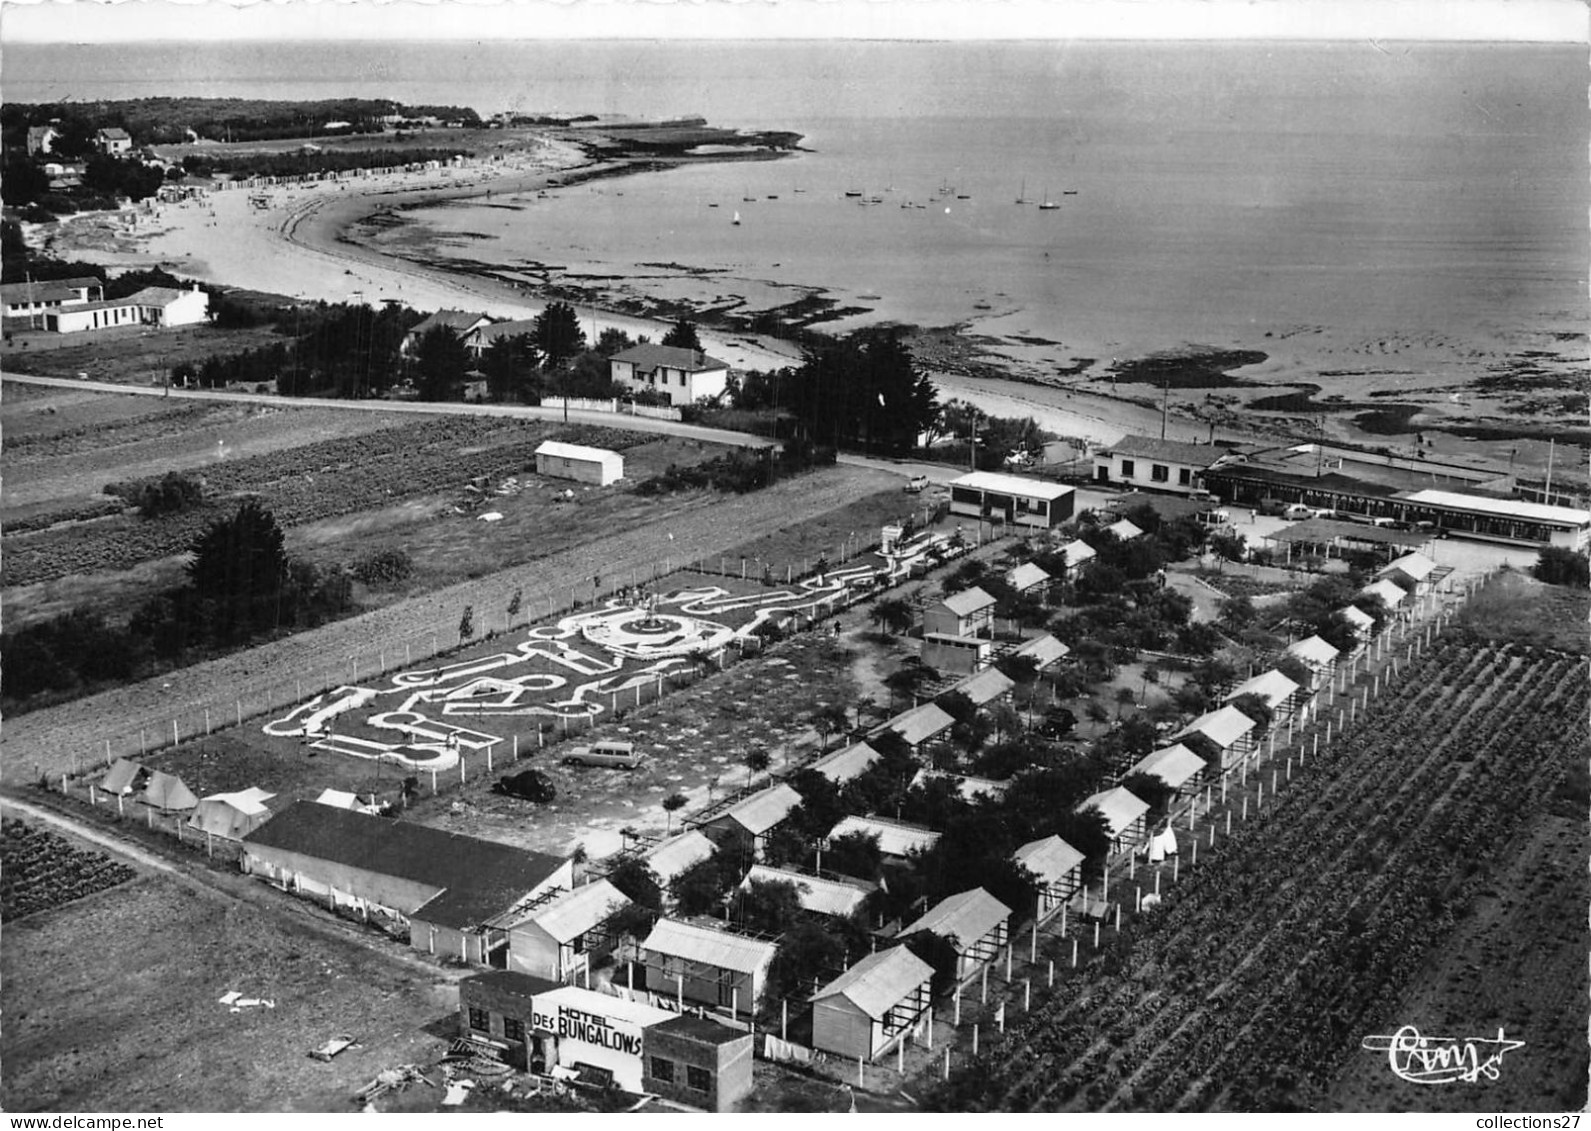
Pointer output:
795, 557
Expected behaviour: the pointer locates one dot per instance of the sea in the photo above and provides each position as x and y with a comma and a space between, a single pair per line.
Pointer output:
1229, 194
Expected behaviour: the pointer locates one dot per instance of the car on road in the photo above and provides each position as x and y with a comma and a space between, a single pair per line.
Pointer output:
620, 755
527, 785
1297, 512
916, 484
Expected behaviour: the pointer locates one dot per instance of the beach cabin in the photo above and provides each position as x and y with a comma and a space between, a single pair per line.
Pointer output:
1362, 623
1278, 693
711, 967
986, 688
956, 655
1059, 868
1044, 650
1078, 554
1029, 579
897, 840
1125, 529
683, 375
1180, 768
968, 613
1412, 572
923, 723
1393, 595
113, 141
758, 815
1316, 655
837, 898
562, 938
1226, 736
1149, 464
231, 816
596, 466
1012, 499
847, 763
969, 789
862, 1014
1125, 814
975, 920
677, 855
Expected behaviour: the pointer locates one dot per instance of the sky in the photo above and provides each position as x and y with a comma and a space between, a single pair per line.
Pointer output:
99, 21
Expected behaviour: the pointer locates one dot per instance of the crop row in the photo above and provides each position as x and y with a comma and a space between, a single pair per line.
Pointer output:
1263, 968
326, 479
39, 870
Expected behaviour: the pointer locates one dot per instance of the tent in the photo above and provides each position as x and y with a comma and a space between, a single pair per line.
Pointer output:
164, 791
232, 815
340, 799
124, 777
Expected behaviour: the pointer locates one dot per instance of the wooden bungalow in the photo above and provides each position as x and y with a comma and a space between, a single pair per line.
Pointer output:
1278, 692
1029, 579
757, 815
847, 763
835, 897
968, 613
974, 921
560, 939
864, 1012
1180, 768
1059, 868
896, 839
1224, 736
717, 968
1044, 650
986, 688
1125, 814
1318, 656
923, 723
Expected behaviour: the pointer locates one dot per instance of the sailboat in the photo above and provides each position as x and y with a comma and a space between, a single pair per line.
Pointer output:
1047, 205
736, 220
1022, 197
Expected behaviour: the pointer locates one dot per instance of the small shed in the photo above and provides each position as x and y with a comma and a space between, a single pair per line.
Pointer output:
1279, 693
847, 763
1124, 812
582, 464
1391, 593
968, 613
1316, 655
167, 792
232, 816
718, 968
837, 898
988, 686
1125, 529
1078, 554
975, 920
677, 855
898, 839
921, 724
1028, 578
559, 939
867, 1009
1059, 868
1362, 623
1227, 731
1412, 572
1043, 650
957, 655
1180, 768
758, 814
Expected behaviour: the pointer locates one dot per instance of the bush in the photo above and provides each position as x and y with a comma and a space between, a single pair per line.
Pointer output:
173, 493
1557, 565
382, 567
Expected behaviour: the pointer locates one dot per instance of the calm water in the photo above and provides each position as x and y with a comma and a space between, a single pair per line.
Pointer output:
1221, 191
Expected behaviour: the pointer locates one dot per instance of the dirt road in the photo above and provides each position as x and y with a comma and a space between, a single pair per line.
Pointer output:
55, 739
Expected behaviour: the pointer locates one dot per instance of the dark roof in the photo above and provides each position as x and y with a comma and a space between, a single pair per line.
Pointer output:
115, 133
511, 982
1168, 507
1172, 451
648, 356
48, 290
479, 878
1331, 482
460, 320
699, 1029
1324, 530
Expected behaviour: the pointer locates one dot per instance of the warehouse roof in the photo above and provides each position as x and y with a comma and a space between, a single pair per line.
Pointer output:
879, 982
1011, 485
740, 953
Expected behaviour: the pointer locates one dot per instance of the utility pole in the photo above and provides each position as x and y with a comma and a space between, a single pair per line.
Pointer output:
1165, 403
1552, 442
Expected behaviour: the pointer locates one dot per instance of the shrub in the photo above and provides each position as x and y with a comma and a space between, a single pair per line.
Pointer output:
173, 493
1558, 565
382, 567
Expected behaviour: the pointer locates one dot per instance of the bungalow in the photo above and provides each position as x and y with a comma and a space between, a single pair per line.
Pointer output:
1279, 693
112, 141
974, 921
559, 939
847, 763
677, 855
482, 338
1362, 623
958, 655
1124, 814
921, 724
988, 686
703, 964
758, 814
1043, 650
683, 375
452, 891
1412, 572
1059, 868
35, 297
1155, 465
1180, 768
578, 462
1011, 499
866, 1010
968, 613
1029, 578
1391, 593
1227, 733
896, 839
164, 307
1125, 529
839, 899
464, 323
231, 816
969, 789
1318, 656
1077, 554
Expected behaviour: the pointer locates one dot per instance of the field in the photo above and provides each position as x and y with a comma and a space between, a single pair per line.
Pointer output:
130, 355
1519, 608
1254, 984
39, 870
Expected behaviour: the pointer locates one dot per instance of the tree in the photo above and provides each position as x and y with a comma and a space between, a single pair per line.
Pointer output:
557, 334
637, 882
854, 854
672, 804
1152, 790
827, 719
682, 335
238, 570
1296, 670
893, 614
1559, 565
509, 363
755, 762
1237, 613
467, 623
767, 906
1255, 707
440, 361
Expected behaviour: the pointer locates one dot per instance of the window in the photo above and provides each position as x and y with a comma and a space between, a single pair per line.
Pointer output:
698, 1079
1159, 472
513, 1029
663, 1069
480, 1020
1184, 476
1127, 469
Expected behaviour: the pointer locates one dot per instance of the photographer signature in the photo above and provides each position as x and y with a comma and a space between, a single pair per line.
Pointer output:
1442, 1060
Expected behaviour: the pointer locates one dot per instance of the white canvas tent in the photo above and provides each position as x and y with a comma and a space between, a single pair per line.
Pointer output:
165, 791
232, 815
124, 777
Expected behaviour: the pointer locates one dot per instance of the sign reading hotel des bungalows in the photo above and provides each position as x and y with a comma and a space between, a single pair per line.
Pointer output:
620, 1039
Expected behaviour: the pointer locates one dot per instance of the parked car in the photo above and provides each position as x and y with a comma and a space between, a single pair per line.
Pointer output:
916, 484
1274, 507
1297, 512
527, 785
622, 755
1217, 517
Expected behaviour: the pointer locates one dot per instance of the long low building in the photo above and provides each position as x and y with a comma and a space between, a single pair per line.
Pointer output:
1012, 499
153, 306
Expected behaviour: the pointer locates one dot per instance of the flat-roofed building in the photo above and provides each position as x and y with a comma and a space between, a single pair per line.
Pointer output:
1012, 499
956, 655
578, 462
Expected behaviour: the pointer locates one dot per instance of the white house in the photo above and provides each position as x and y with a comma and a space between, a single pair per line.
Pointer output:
113, 141
1012, 499
164, 307
1155, 465
43, 296
683, 375
559, 939
862, 1013
578, 462
464, 323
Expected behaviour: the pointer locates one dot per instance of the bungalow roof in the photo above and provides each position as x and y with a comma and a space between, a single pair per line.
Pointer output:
966, 917
723, 949
1049, 858
1120, 806
879, 982
1174, 765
